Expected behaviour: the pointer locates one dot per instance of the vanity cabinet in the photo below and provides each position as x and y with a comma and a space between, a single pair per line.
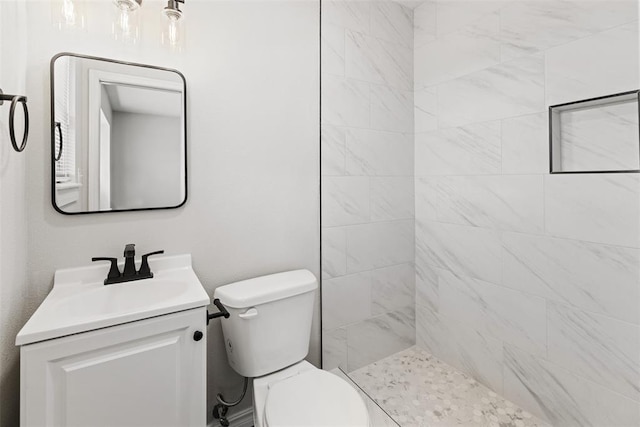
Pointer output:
149, 372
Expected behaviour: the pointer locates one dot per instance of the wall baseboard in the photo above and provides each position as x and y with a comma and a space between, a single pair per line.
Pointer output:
243, 418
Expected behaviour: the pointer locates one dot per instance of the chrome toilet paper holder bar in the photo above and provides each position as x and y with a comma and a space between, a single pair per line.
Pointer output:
15, 100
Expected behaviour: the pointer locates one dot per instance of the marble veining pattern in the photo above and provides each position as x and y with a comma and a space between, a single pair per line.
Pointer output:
376, 153
347, 200
379, 336
345, 102
470, 251
467, 150
392, 22
417, 389
334, 252
526, 281
392, 288
454, 15
505, 90
350, 298
391, 198
601, 208
426, 194
332, 50
334, 348
426, 285
367, 172
494, 311
604, 137
475, 354
602, 64
506, 203
379, 244
454, 55
351, 15
604, 350
594, 277
525, 144
333, 145
424, 23
425, 110
531, 26
376, 61
564, 399
391, 109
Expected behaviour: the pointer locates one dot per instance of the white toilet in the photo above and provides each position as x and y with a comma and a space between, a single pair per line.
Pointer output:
267, 339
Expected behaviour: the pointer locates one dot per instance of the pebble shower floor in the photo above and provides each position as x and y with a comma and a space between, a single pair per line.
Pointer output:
416, 389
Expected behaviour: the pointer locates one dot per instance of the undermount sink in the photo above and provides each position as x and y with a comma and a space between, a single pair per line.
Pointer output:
79, 300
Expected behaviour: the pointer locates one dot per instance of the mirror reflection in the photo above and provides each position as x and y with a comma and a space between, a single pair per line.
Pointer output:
118, 136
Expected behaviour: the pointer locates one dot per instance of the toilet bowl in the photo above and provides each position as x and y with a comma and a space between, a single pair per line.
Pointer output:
303, 395
267, 338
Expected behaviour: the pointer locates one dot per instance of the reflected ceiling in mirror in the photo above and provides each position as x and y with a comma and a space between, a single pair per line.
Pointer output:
118, 139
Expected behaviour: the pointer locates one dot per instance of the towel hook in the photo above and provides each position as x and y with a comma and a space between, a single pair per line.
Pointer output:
15, 100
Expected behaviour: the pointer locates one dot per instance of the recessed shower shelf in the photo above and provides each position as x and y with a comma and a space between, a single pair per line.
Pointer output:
598, 135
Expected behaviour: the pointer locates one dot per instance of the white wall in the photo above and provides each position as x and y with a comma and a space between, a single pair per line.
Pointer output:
146, 161
252, 82
13, 237
528, 281
367, 182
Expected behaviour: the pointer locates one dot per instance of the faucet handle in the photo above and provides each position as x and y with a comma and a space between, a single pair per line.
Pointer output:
129, 250
114, 272
144, 267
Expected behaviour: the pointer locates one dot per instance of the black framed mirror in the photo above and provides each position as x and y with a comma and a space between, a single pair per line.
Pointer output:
118, 136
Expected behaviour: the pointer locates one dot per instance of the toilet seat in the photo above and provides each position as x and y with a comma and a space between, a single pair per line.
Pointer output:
314, 398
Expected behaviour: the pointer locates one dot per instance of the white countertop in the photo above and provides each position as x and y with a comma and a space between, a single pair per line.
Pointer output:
80, 302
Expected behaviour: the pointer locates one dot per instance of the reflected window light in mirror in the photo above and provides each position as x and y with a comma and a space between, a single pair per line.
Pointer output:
65, 106
126, 26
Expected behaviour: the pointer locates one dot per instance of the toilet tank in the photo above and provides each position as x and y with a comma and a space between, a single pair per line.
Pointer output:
270, 321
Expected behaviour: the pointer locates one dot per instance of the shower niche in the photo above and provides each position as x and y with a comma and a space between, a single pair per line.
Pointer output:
595, 135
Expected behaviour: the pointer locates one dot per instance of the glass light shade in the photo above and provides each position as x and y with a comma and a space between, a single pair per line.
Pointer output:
126, 23
129, 5
68, 14
172, 30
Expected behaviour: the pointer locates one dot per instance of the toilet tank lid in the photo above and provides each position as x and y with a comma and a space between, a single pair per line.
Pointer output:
260, 290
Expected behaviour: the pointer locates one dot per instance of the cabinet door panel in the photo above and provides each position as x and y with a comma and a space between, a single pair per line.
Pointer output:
146, 373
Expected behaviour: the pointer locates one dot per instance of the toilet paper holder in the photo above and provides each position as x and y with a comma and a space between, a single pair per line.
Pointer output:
223, 312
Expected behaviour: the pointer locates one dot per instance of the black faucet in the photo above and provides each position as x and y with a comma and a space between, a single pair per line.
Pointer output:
129, 260
129, 272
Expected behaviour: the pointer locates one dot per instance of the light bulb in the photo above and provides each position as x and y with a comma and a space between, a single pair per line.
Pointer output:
123, 22
172, 34
68, 13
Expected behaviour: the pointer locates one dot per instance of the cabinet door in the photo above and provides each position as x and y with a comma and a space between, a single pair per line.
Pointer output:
145, 373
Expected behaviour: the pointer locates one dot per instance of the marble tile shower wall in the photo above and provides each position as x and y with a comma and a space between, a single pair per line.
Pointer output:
530, 282
367, 182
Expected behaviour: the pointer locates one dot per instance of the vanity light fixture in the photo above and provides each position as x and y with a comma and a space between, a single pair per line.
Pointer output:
126, 26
